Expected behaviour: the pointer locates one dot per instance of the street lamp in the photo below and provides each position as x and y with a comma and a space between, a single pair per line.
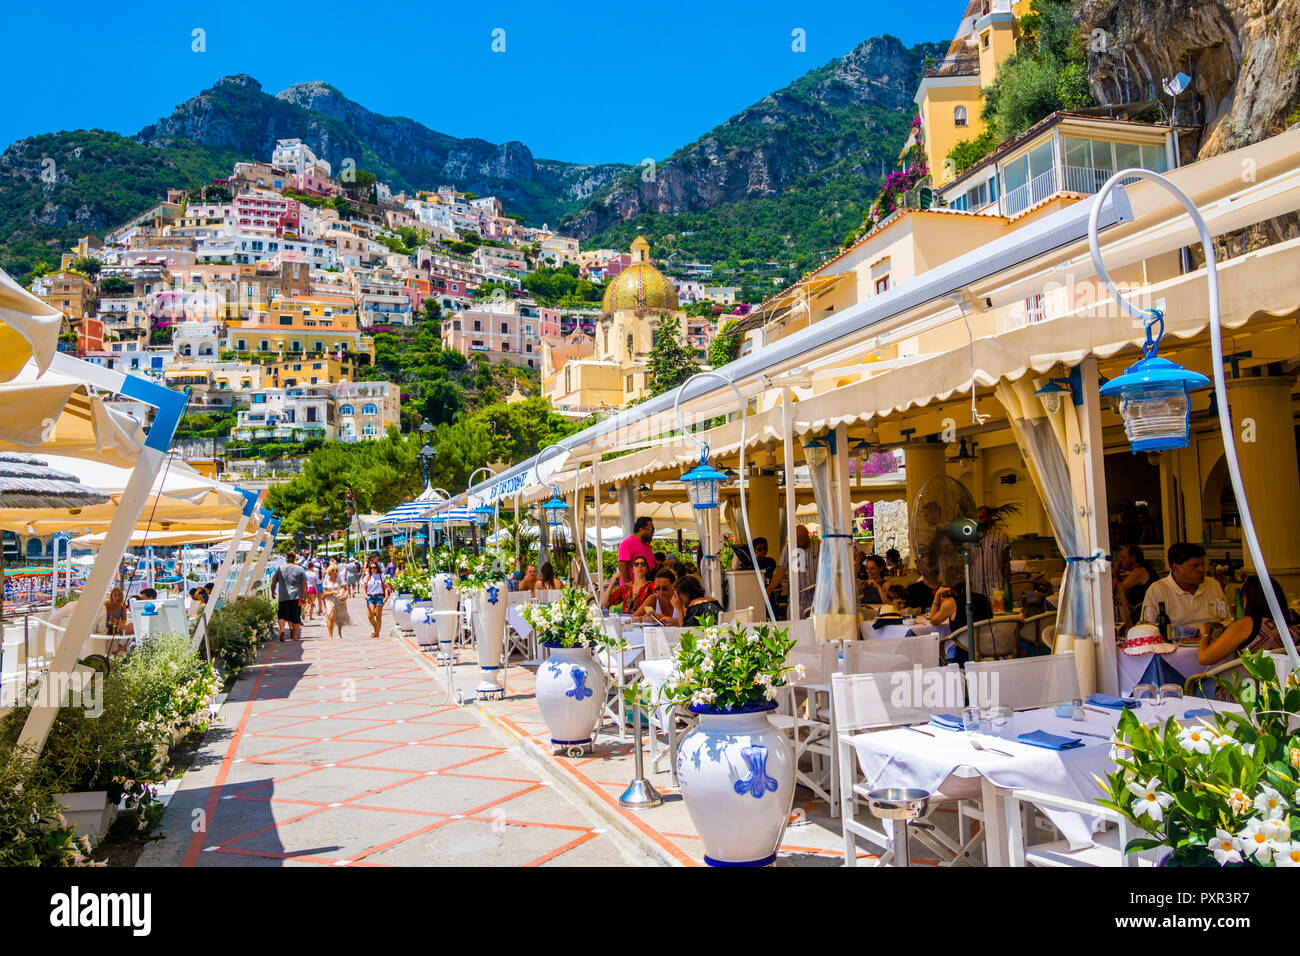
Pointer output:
426, 455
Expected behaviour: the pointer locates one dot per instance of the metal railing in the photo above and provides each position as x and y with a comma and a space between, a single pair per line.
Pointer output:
1074, 179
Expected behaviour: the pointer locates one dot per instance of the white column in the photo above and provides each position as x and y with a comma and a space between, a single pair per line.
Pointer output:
93, 595
791, 500
600, 544
627, 506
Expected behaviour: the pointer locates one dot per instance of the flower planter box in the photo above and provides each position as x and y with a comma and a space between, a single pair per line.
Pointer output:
89, 812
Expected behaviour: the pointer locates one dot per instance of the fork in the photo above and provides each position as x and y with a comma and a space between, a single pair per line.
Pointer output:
993, 750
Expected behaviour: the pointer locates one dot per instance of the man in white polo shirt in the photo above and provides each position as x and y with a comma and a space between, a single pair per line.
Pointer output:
1186, 594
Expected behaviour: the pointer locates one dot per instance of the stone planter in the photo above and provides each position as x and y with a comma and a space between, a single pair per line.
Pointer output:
737, 779
570, 692
88, 811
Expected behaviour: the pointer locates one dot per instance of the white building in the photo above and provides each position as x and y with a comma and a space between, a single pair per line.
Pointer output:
364, 410
287, 414
296, 157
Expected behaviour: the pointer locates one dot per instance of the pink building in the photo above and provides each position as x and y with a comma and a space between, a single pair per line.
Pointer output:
507, 335
316, 181
259, 211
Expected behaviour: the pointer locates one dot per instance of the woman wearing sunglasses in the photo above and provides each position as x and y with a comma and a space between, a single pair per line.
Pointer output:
632, 595
660, 606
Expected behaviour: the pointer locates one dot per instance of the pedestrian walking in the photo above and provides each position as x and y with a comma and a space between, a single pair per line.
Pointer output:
289, 582
376, 587
335, 593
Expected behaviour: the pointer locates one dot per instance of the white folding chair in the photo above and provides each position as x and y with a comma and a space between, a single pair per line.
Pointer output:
1107, 848
742, 616
616, 673
812, 733
891, 654
868, 702
1024, 683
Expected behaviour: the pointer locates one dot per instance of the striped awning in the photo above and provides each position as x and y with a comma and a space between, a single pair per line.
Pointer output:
408, 513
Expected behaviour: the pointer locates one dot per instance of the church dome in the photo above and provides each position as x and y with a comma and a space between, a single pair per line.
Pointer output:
640, 287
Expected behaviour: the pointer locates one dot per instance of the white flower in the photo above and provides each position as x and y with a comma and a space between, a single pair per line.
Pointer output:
706, 665
799, 671
1223, 741
1150, 800
1248, 749
1259, 842
751, 637
1287, 855
1269, 802
703, 697
1195, 740
763, 680
1226, 848
1238, 802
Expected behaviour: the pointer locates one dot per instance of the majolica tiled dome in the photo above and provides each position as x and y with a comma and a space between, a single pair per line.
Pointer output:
640, 287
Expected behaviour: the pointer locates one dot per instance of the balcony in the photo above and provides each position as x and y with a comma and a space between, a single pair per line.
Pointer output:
1074, 179
954, 66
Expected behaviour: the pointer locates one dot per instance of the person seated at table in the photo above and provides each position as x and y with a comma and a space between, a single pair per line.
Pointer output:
756, 553
634, 593
115, 619
660, 606
1188, 596
896, 595
949, 608
513, 579
1254, 631
147, 594
1130, 583
529, 580
693, 604
920, 594
546, 578
894, 564
873, 591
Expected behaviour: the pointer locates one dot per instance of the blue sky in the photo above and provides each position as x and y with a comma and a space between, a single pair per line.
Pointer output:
677, 68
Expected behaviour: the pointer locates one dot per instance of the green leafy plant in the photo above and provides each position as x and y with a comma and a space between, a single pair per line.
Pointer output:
1217, 790
730, 669
569, 621
237, 630
414, 581
487, 569
33, 831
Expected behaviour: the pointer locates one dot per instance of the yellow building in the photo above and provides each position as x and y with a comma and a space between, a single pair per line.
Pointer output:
318, 370
315, 325
948, 97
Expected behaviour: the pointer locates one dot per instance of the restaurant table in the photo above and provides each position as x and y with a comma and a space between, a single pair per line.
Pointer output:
903, 758
1156, 668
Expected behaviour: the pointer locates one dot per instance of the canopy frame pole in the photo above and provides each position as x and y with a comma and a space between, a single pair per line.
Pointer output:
255, 554
1098, 525
600, 548
169, 406
791, 502
223, 573
265, 557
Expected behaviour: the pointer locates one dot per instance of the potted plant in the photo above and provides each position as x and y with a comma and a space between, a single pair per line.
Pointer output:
485, 584
407, 587
1215, 789
736, 770
570, 683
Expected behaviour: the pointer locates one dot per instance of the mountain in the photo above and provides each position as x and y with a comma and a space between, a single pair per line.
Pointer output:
785, 178
788, 170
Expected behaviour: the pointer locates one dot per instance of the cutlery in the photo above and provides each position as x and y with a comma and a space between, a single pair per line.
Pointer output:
918, 730
1085, 733
1104, 713
978, 746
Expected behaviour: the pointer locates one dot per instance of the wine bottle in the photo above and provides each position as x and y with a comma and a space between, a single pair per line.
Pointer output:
1162, 622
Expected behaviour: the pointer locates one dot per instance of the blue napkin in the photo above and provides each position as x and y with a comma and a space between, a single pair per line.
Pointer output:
1114, 703
1199, 712
1041, 738
947, 721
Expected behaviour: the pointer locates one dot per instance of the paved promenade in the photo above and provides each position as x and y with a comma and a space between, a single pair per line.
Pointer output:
333, 753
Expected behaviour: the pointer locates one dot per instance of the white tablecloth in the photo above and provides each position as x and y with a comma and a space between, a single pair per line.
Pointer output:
1131, 669
871, 633
903, 758
515, 620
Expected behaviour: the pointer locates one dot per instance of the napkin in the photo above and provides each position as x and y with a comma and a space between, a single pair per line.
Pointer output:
1198, 712
947, 721
1041, 738
1108, 700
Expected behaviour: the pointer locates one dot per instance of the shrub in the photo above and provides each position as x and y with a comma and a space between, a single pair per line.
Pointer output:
237, 629
33, 831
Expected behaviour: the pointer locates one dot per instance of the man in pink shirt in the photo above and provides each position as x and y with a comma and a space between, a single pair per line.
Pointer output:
636, 545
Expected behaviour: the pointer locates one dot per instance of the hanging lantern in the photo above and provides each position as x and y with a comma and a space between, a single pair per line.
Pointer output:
702, 483
963, 454
1154, 402
482, 515
557, 509
1052, 395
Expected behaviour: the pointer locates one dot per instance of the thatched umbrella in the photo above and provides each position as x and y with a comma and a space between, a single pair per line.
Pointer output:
29, 482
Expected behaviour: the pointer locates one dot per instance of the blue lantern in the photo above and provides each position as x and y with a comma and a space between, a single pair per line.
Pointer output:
1154, 402
482, 515
702, 483
556, 509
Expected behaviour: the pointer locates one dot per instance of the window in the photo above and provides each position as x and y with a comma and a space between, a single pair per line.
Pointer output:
478, 326
882, 284
505, 328
985, 38
265, 346
346, 410
320, 347
297, 346
959, 116
241, 345
286, 320
369, 408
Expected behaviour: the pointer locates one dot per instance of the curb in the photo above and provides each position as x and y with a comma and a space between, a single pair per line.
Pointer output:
560, 776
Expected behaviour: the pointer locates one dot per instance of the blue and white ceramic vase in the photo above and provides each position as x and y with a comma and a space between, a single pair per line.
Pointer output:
489, 623
737, 778
446, 622
570, 692
402, 605
422, 623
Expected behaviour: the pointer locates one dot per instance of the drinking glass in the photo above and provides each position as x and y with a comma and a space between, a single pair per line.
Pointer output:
1145, 692
1001, 721
970, 719
1170, 695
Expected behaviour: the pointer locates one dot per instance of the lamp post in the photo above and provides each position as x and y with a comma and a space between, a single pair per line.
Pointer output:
1153, 392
